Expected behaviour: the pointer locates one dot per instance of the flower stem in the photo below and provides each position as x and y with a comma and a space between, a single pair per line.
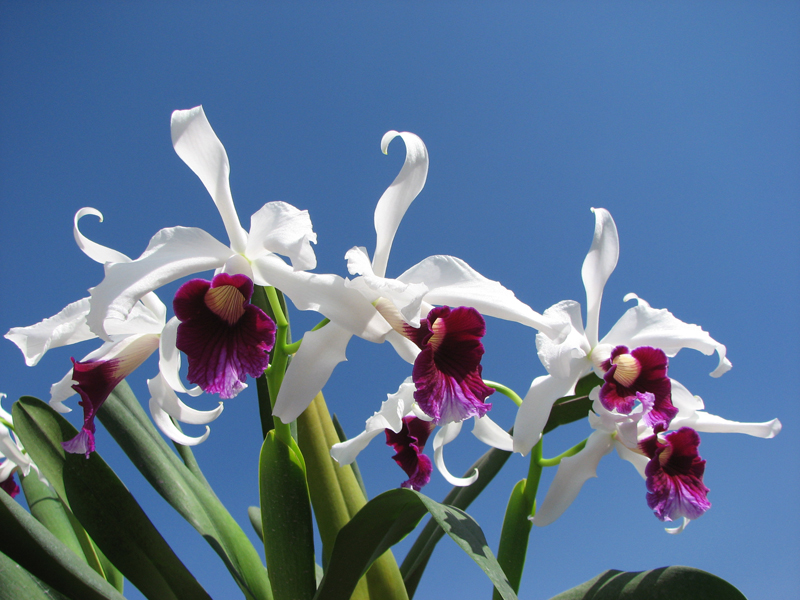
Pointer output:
506, 391
556, 460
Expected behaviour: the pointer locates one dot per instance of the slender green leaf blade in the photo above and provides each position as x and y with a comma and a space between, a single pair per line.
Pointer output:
16, 583
103, 505
28, 543
387, 519
665, 583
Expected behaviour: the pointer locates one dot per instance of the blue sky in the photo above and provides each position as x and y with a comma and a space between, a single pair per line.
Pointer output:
680, 118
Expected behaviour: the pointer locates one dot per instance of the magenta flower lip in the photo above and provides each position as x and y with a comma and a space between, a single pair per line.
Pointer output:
224, 337
408, 444
674, 474
642, 370
447, 371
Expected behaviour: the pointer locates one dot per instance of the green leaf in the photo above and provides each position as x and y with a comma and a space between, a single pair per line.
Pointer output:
184, 488
16, 583
573, 408
387, 519
103, 505
665, 583
288, 530
28, 543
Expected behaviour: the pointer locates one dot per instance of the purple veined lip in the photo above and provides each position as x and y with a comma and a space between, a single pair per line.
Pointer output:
408, 444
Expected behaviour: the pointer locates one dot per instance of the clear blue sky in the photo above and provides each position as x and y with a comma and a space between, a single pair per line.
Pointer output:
681, 118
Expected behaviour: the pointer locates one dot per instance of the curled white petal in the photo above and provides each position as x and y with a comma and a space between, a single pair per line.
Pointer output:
491, 434
535, 410
169, 402
643, 325
598, 265
12, 452
93, 250
67, 327
199, 147
679, 529
572, 473
60, 391
565, 356
165, 424
707, 423
169, 359
281, 228
310, 370
399, 195
445, 435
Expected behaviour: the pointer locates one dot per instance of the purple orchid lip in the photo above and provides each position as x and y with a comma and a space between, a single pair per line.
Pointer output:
9, 486
674, 475
408, 444
224, 337
642, 370
447, 371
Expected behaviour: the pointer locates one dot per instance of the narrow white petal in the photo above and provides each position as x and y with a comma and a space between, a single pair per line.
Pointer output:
707, 423
597, 268
398, 197
167, 427
281, 228
404, 347
169, 402
199, 147
565, 356
169, 359
684, 400
451, 281
11, 451
346, 452
171, 254
358, 262
445, 435
67, 327
643, 325
677, 530
639, 461
491, 434
572, 473
310, 370
93, 250
60, 391
535, 410
324, 293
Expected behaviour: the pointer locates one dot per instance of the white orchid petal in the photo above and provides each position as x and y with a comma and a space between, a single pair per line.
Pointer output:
358, 262
93, 250
405, 348
169, 402
171, 254
398, 197
572, 473
451, 281
677, 530
11, 451
491, 434
169, 359
684, 400
639, 461
390, 416
60, 391
643, 325
405, 297
199, 147
535, 410
445, 435
281, 228
707, 423
6, 469
324, 293
565, 356
167, 427
67, 327
310, 370
597, 268
3, 413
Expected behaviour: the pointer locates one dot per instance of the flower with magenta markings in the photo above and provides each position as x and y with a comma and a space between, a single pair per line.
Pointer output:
224, 337
409, 443
13, 457
654, 335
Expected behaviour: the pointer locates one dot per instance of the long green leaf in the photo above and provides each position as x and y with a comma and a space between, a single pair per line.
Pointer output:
17, 583
29, 544
665, 583
288, 531
387, 519
187, 492
103, 505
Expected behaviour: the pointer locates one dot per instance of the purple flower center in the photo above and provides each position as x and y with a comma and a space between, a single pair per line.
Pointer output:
631, 373
447, 371
409, 443
10, 487
674, 475
224, 337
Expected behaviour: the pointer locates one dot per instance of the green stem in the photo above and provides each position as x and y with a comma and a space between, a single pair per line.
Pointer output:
517, 525
556, 460
506, 391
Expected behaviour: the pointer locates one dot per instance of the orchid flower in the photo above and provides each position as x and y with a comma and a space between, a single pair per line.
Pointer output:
12, 454
669, 462
406, 300
276, 228
631, 357
94, 377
